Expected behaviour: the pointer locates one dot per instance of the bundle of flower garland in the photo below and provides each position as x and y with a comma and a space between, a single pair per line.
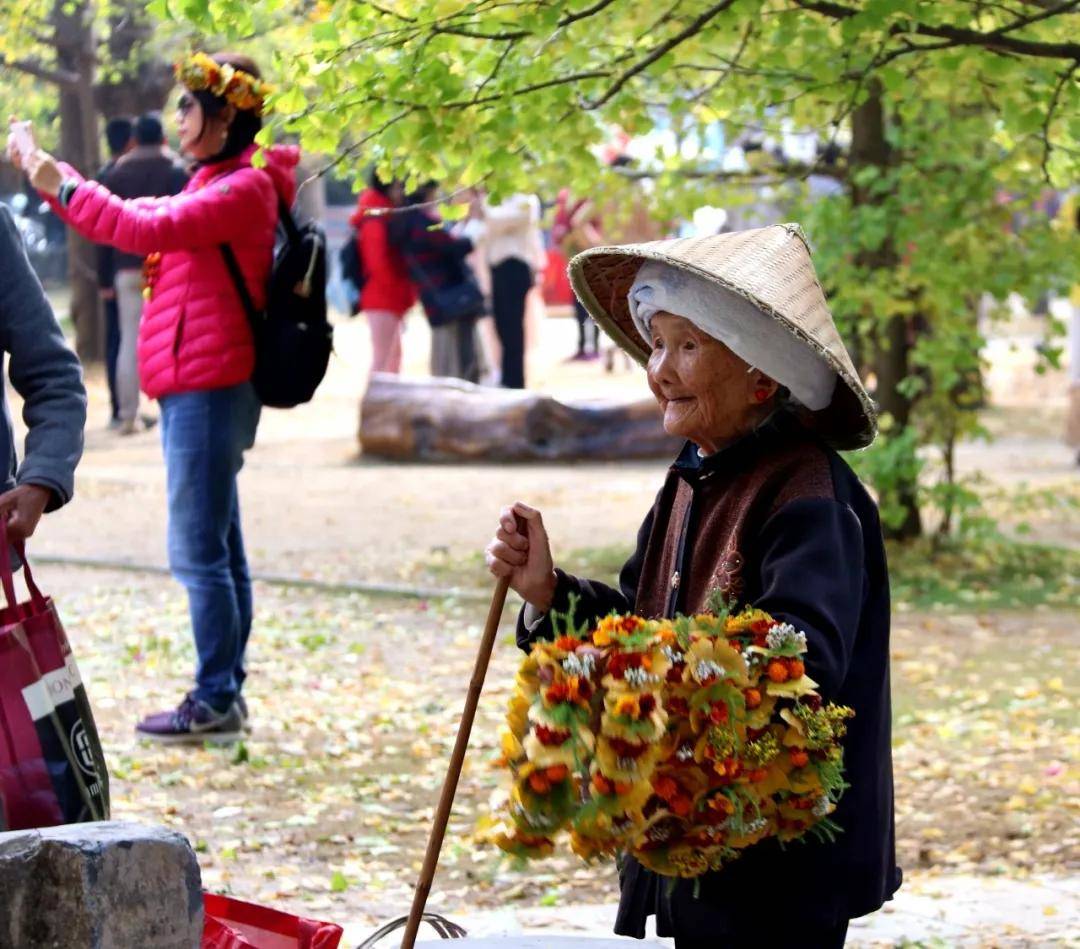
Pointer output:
681, 742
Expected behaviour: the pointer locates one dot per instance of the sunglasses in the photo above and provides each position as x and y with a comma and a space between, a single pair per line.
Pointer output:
185, 104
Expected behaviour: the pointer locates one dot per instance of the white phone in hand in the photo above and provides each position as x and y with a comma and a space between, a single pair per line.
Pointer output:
21, 140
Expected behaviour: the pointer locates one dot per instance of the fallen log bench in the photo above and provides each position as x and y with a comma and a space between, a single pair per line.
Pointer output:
437, 419
108, 885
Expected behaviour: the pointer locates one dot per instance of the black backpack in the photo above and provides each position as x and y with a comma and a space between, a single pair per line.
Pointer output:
293, 339
349, 258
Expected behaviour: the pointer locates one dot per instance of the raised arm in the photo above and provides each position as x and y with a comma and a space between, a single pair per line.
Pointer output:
526, 559
223, 211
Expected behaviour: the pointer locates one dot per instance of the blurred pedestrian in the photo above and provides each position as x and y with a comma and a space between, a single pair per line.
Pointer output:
577, 227
510, 231
448, 290
151, 170
46, 374
118, 136
387, 293
196, 354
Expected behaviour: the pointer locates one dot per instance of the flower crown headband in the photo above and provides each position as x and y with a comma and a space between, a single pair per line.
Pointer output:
201, 74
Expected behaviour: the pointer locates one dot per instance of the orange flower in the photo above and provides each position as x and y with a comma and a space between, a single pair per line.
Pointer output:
539, 783
796, 668
566, 643
602, 784
557, 773
777, 671
723, 804
681, 805
758, 774
798, 757
578, 690
753, 698
557, 693
665, 788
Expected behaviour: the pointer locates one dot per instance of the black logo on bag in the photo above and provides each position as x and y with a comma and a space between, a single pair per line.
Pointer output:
80, 747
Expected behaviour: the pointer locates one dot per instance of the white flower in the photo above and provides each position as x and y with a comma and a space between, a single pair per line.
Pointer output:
685, 753
638, 677
821, 806
707, 669
673, 655
783, 635
576, 665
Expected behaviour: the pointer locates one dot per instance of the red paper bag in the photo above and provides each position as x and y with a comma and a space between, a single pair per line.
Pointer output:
52, 770
234, 924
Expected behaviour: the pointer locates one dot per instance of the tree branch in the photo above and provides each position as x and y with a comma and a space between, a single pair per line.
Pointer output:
694, 27
60, 77
1063, 80
996, 40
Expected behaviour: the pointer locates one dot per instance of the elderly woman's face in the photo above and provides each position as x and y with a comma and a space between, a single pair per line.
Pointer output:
707, 393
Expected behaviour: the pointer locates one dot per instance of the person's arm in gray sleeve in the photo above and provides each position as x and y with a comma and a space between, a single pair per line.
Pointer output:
43, 370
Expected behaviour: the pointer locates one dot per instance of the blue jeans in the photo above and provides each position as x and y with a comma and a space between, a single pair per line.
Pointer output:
204, 436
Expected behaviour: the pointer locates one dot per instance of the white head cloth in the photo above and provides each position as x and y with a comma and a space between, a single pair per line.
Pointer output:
753, 336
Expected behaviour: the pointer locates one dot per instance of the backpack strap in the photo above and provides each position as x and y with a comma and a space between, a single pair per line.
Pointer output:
237, 275
288, 221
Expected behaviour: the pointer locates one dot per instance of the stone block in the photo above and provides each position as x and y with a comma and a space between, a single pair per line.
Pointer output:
108, 885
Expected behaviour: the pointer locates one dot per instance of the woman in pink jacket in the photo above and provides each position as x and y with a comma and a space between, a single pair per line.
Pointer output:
196, 354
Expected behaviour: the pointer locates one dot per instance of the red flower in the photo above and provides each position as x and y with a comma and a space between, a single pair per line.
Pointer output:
621, 661
678, 706
665, 788
550, 737
557, 693
681, 805
627, 749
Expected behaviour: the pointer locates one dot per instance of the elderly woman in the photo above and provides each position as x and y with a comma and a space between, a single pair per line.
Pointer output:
746, 364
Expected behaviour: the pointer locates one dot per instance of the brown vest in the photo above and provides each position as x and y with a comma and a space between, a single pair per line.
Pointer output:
707, 520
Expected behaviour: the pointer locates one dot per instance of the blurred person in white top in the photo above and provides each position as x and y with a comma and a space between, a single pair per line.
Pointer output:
509, 234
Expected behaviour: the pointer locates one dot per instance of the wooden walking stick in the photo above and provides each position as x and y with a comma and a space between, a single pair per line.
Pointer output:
446, 799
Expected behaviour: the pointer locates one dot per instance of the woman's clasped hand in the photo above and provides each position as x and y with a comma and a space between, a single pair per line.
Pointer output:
523, 556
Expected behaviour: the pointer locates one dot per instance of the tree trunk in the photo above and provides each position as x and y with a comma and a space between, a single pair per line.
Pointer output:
74, 41
891, 347
440, 419
145, 80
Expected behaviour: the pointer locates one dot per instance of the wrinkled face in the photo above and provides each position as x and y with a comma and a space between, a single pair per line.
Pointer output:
707, 393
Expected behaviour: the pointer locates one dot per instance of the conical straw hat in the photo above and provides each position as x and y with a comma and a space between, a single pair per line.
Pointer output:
768, 266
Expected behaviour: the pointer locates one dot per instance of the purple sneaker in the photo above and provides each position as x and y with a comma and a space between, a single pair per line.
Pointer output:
193, 722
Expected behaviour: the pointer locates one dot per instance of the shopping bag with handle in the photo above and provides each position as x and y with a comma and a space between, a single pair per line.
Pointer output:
52, 769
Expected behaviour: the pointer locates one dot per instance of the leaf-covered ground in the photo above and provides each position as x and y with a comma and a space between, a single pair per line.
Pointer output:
325, 808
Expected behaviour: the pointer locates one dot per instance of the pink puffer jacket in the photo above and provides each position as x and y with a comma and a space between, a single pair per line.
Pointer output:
194, 333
